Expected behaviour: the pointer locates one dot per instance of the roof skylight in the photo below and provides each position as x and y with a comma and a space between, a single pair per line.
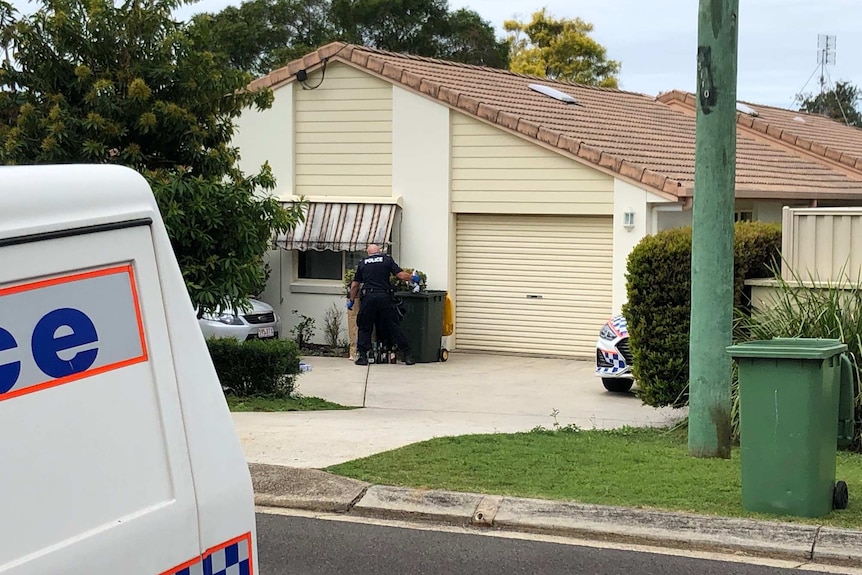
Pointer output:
553, 93
740, 107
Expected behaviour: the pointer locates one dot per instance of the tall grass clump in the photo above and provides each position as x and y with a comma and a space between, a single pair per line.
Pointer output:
808, 309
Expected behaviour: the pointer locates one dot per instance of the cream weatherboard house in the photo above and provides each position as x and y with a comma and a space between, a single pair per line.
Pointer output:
521, 197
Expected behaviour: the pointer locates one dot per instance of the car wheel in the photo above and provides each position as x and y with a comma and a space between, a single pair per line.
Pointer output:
617, 385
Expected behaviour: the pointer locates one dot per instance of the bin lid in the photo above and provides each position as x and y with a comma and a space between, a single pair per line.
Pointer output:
427, 294
789, 348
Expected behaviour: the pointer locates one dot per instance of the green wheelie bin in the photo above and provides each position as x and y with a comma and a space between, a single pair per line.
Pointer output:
423, 323
796, 407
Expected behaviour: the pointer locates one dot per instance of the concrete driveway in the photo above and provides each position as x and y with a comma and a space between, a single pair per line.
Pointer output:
470, 393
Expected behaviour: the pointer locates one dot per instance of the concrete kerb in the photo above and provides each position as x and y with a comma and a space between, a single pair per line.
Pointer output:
310, 489
316, 490
838, 546
660, 528
398, 502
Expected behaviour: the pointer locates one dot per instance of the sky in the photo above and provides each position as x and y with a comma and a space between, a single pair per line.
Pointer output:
656, 40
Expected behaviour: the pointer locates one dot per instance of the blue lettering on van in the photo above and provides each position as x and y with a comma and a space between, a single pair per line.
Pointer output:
46, 346
9, 372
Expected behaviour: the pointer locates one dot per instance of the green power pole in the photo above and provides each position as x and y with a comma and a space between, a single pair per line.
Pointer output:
712, 228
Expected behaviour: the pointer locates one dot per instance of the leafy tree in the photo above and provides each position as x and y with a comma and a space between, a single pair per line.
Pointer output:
560, 49
95, 82
471, 40
840, 103
7, 17
412, 26
420, 27
260, 35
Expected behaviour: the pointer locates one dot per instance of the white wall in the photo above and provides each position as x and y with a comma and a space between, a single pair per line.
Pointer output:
422, 229
420, 175
669, 220
628, 197
285, 294
770, 212
271, 293
267, 135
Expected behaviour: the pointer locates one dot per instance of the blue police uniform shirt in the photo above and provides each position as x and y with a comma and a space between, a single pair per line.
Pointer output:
374, 271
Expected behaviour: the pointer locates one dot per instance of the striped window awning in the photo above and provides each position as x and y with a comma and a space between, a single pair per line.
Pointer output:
341, 227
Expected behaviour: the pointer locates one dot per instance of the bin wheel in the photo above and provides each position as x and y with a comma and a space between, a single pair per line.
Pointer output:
840, 495
444, 354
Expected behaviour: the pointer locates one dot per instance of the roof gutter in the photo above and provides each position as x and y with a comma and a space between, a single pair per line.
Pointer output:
687, 195
798, 195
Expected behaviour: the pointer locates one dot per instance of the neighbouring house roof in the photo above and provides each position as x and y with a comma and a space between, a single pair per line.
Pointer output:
638, 137
819, 135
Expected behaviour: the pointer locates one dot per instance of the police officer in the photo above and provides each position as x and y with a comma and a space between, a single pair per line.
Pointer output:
377, 303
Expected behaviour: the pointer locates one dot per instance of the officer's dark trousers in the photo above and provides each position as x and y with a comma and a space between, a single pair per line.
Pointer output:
378, 308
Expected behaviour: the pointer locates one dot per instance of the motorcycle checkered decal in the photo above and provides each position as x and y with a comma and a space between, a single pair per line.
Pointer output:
231, 558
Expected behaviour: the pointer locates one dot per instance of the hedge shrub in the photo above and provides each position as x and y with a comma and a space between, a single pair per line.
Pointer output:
658, 284
258, 367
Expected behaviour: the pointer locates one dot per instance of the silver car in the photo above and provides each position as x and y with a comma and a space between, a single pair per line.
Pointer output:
261, 322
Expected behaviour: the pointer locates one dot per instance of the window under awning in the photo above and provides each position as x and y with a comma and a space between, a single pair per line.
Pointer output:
341, 227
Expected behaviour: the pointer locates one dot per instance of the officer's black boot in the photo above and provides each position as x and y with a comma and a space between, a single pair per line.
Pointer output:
408, 359
362, 358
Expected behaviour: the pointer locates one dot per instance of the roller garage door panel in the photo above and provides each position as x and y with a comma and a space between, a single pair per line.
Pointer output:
532, 284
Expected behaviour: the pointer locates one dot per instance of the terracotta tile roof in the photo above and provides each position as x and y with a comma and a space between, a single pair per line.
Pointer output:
634, 135
812, 133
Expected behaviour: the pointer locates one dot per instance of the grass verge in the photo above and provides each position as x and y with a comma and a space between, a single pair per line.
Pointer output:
632, 467
281, 404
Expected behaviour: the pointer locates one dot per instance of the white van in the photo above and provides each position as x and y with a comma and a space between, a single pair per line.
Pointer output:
117, 448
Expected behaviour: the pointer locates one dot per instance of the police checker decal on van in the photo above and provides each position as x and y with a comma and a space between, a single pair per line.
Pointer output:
230, 558
67, 328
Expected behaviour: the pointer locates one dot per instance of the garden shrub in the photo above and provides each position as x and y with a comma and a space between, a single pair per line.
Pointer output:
756, 252
258, 367
658, 285
658, 311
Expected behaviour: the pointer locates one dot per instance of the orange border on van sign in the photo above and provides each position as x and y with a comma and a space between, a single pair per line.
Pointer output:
192, 562
128, 270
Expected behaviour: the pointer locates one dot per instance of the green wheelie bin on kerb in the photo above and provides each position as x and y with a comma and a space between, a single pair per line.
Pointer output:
796, 407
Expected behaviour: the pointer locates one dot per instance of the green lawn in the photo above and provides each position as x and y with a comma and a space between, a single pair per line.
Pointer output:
275, 404
629, 467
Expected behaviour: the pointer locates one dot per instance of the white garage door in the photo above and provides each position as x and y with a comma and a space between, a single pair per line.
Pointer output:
532, 284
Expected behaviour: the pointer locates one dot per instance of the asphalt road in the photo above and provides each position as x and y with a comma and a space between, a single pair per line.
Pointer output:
307, 546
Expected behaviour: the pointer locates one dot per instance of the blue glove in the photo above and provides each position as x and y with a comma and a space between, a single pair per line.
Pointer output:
416, 277
350, 304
